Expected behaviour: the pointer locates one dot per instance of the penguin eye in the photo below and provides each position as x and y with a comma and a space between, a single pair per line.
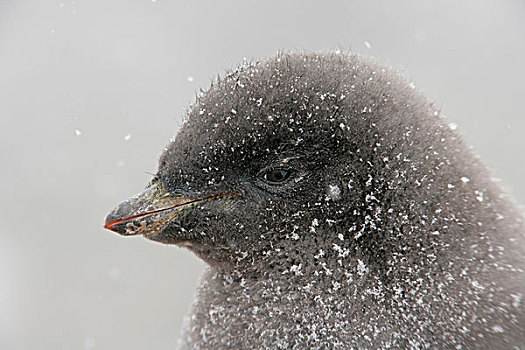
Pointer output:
276, 176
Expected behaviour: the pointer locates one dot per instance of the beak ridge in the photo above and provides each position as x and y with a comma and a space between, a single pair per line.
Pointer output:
146, 213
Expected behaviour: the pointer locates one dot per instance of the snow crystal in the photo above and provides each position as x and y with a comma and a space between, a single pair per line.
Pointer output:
516, 299
361, 267
465, 179
334, 192
78, 132
367, 44
479, 195
497, 329
320, 254
127, 137
451, 186
190, 79
315, 223
296, 269
452, 126
369, 181
295, 236
476, 284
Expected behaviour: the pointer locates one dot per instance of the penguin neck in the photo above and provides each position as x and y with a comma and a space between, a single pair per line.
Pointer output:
275, 308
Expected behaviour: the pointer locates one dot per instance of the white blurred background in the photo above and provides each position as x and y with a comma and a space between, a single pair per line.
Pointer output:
91, 91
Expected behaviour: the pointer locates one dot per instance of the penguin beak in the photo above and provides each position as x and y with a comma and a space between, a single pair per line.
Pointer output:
151, 211
146, 213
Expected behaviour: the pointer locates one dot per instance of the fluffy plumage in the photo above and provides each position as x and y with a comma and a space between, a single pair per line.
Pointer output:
336, 209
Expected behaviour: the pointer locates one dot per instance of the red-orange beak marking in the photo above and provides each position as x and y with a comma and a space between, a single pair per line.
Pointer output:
151, 211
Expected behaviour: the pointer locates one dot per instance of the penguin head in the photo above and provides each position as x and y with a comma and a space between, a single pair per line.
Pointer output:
280, 161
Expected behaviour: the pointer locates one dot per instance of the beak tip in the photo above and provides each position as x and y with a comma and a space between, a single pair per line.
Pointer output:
111, 222
109, 226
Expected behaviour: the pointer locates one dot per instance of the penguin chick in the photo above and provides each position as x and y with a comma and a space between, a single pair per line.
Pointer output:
335, 209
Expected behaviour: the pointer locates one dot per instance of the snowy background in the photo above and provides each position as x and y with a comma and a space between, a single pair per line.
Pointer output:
91, 91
